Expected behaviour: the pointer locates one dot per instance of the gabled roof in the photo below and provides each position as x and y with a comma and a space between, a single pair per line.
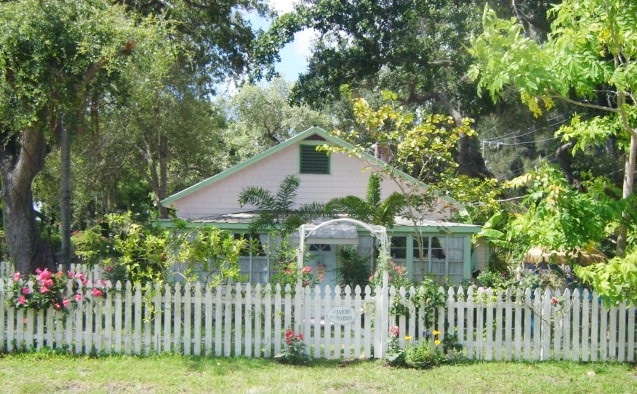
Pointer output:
329, 139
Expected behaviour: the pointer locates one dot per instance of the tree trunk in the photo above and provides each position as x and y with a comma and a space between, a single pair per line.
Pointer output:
469, 157
65, 196
21, 161
629, 181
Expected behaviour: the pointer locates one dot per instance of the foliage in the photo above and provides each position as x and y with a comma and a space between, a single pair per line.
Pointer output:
588, 58
544, 278
56, 58
260, 117
615, 281
276, 211
426, 354
397, 276
372, 210
91, 246
290, 274
45, 289
428, 298
556, 216
420, 144
354, 269
142, 250
395, 355
293, 349
213, 252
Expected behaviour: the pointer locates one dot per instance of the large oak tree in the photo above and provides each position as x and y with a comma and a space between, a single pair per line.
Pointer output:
54, 56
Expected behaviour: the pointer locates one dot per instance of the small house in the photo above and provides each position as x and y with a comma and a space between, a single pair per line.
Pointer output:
428, 242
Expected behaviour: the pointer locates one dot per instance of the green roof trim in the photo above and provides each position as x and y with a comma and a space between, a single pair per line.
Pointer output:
329, 139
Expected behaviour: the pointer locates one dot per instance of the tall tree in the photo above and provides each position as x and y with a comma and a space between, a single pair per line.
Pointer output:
261, 116
588, 60
55, 55
416, 48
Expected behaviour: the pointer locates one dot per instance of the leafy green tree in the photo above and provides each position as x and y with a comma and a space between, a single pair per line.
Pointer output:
210, 254
261, 116
55, 56
416, 48
588, 60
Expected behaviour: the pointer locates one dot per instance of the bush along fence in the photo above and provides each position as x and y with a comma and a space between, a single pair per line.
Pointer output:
335, 323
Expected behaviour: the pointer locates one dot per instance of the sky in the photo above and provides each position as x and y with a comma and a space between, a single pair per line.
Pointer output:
295, 54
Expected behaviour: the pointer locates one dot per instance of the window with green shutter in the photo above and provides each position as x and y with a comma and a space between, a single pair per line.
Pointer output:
313, 161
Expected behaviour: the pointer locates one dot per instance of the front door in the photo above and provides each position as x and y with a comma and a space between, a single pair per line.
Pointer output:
322, 259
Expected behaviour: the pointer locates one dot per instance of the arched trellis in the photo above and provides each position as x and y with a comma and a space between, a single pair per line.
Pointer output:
378, 232
382, 296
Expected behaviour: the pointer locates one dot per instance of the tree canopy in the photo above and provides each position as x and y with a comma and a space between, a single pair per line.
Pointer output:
588, 60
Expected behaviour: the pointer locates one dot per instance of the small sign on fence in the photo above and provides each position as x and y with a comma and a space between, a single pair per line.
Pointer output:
341, 315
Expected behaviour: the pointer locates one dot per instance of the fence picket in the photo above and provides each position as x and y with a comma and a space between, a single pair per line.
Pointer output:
586, 326
576, 324
197, 322
128, 318
621, 339
137, 320
358, 314
603, 332
471, 312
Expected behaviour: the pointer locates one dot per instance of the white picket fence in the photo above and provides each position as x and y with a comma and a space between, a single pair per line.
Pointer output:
246, 320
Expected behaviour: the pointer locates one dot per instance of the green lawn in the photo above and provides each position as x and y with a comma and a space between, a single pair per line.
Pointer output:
46, 373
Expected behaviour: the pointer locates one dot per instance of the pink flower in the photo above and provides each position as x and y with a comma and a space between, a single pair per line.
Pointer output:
66, 303
22, 300
394, 331
554, 301
78, 297
97, 292
307, 269
26, 291
57, 306
43, 275
47, 282
287, 272
44, 289
16, 277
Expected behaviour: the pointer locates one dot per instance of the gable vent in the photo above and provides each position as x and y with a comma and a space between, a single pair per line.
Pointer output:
313, 161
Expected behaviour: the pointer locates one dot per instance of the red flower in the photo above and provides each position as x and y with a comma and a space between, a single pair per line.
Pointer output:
554, 301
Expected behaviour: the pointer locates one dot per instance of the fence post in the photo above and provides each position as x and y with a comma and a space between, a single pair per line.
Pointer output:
382, 320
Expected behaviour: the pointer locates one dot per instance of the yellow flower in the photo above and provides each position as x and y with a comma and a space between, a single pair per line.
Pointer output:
408, 338
437, 341
436, 332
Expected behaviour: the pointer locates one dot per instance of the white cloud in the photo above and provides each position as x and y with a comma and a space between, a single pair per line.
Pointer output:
283, 6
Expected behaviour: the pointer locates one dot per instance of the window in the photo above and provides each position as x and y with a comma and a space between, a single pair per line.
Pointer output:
313, 161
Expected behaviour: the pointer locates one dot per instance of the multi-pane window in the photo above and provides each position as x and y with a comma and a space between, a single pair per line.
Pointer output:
440, 256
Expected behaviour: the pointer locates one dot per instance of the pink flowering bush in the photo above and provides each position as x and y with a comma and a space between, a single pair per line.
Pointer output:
293, 349
397, 276
46, 289
289, 273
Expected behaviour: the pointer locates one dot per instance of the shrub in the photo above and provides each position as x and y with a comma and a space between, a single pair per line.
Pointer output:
50, 290
293, 349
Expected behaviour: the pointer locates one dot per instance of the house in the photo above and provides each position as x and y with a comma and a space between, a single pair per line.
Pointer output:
428, 242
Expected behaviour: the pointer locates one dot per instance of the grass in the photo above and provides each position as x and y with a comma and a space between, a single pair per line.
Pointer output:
46, 372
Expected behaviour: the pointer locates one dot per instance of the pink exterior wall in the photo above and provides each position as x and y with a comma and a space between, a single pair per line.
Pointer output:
349, 176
